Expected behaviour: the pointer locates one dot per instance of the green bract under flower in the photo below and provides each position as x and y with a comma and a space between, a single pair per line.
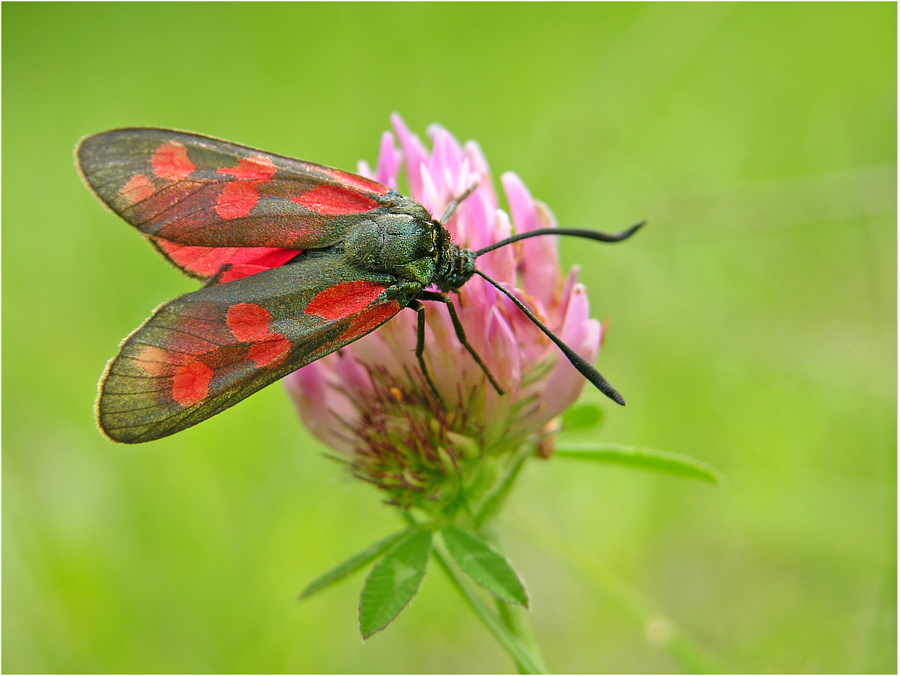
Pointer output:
370, 402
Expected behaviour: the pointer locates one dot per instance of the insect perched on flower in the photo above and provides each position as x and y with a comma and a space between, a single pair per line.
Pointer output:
299, 260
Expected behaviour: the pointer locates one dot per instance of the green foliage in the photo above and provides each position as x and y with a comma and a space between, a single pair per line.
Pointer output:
353, 564
641, 458
394, 581
484, 564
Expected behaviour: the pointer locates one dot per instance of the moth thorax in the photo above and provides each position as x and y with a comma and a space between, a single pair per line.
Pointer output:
389, 242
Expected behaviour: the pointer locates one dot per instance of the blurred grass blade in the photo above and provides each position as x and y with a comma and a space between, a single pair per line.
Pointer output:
642, 458
394, 581
582, 417
351, 565
484, 564
653, 623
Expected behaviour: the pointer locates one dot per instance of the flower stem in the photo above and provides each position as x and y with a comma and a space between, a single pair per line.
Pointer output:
495, 500
525, 659
518, 648
517, 621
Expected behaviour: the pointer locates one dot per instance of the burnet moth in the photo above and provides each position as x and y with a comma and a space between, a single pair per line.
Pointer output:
299, 259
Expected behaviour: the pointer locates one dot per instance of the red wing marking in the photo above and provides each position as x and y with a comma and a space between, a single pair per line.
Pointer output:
154, 361
344, 299
253, 169
193, 362
331, 200
241, 271
359, 182
237, 199
370, 320
137, 189
249, 322
171, 161
191, 383
208, 261
271, 351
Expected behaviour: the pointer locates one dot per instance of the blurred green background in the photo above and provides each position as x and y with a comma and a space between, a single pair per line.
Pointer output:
753, 326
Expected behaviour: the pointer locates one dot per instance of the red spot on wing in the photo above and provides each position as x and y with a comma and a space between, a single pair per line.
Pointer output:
331, 200
249, 322
344, 299
190, 385
253, 169
370, 320
237, 199
271, 351
358, 182
137, 189
202, 345
171, 161
243, 261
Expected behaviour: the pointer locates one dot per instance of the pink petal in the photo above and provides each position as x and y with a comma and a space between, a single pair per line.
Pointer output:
577, 315
499, 263
558, 309
452, 367
581, 334
472, 225
391, 347
416, 154
351, 373
540, 259
429, 195
474, 302
521, 204
447, 157
571, 281
542, 253
503, 357
480, 167
533, 343
363, 169
321, 406
389, 160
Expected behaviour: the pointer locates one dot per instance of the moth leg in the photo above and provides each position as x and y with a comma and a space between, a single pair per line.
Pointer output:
460, 332
451, 208
420, 346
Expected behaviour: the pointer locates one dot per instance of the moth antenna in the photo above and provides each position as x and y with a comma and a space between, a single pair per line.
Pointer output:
595, 235
579, 362
451, 208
